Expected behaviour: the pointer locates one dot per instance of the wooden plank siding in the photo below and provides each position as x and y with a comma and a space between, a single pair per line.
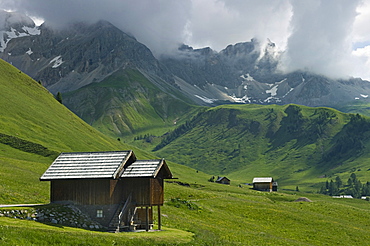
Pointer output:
145, 191
85, 192
156, 192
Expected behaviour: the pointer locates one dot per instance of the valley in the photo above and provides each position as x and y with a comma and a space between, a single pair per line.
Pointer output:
117, 96
214, 214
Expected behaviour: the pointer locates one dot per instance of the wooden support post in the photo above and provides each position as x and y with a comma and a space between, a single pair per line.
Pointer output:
159, 217
147, 218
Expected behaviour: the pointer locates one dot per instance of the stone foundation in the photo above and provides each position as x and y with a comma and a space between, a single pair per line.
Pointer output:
68, 215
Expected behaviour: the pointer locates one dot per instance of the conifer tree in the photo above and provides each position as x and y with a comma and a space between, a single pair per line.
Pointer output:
59, 97
338, 181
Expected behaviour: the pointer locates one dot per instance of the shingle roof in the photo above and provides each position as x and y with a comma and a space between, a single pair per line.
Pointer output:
82, 165
221, 178
262, 180
143, 168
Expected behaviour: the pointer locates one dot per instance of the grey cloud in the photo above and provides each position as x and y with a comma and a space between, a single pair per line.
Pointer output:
157, 23
320, 36
220, 23
315, 33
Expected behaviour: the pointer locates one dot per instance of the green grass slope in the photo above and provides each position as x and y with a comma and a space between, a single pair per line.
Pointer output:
127, 103
295, 144
35, 127
361, 106
197, 212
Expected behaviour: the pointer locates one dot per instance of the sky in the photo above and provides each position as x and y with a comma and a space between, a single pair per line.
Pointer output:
329, 37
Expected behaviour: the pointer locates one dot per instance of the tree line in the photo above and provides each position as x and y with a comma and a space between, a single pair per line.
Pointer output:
353, 187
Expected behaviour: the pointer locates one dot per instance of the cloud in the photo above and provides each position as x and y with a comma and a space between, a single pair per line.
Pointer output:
317, 35
164, 24
320, 39
220, 23
361, 28
157, 23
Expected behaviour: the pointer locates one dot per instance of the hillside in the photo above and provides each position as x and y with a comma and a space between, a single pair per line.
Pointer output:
295, 144
127, 103
359, 106
35, 127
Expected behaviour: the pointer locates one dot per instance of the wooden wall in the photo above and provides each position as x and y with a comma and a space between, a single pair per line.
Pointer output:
262, 186
145, 191
86, 192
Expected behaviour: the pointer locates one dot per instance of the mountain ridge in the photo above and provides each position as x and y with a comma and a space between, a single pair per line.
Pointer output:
248, 72
151, 97
67, 59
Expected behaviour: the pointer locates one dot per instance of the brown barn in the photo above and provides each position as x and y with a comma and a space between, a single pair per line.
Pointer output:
113, 187
223, 180
265, 184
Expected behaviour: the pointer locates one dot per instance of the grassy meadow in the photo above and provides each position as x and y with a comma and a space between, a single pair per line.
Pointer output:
196, 212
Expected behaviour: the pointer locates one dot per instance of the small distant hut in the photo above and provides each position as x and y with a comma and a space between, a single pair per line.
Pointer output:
265, 184
113, 188
223, 180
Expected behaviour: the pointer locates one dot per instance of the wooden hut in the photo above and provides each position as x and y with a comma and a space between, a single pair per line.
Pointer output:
265, 184
223, 180
113, 187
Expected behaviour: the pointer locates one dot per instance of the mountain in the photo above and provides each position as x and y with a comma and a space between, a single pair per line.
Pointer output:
15, 25
249, 73
67, 59
35, 127
81, 62
127, 102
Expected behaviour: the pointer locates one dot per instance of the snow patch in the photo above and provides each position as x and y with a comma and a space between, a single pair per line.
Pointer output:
357, 98
244, 99
364, 96
57, 61
29, 51
206, 99
288, 92
272, 99
31, 31
6, 36
273, 90
248, 78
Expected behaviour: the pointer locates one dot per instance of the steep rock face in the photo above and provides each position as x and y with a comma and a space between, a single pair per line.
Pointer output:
65, 60
15, 25
249, 73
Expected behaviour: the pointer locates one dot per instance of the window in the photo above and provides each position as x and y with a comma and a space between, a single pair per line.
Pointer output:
99, 213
